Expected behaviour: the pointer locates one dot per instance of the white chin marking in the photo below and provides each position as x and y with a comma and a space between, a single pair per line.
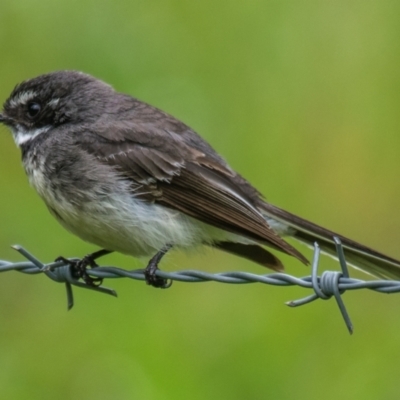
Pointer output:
22, 136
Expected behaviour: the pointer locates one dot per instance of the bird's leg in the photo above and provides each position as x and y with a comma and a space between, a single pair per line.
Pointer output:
150, 271
79, 267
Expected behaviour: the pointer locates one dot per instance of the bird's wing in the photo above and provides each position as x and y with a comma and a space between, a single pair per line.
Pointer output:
168, 171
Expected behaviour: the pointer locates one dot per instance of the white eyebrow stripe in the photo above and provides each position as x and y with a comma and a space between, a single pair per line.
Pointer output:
21, 136
23, 98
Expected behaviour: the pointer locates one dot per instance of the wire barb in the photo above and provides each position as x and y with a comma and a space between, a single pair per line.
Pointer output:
329, 284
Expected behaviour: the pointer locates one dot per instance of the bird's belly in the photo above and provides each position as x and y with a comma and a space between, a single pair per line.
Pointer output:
130, 226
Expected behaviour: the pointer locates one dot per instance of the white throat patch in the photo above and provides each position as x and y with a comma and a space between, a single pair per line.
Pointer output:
22, 136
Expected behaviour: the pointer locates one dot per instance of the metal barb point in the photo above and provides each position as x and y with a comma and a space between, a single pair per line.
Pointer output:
28, 256
342, 258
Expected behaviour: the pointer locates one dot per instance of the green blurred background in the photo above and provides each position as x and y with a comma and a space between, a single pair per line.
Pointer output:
302, 97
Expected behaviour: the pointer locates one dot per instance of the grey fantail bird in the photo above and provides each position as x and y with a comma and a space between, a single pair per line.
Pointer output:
128, 177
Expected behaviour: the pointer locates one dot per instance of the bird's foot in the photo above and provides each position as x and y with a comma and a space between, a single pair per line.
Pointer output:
150, 271
79, 267
153, 280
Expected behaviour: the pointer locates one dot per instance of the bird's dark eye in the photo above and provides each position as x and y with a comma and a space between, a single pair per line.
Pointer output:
33, 109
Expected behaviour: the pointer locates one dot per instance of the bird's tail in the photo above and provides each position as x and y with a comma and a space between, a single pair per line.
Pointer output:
357, 255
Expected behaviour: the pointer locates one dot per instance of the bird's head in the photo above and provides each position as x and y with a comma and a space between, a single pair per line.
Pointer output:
48, 101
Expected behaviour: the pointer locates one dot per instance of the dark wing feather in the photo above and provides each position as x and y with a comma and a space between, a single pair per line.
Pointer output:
253, 253
205, 194
174, 174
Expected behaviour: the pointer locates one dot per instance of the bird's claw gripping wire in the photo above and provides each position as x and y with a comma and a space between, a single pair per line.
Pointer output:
58, 271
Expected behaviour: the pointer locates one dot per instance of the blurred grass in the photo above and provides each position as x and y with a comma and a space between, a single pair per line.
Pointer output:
302, 98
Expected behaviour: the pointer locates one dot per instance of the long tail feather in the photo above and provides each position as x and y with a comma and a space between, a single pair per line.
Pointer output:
357, 255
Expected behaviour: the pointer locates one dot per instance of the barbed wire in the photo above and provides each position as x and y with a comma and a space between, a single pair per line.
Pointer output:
329, 284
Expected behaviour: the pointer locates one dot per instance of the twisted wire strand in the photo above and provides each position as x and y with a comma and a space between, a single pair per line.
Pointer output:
329, 284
